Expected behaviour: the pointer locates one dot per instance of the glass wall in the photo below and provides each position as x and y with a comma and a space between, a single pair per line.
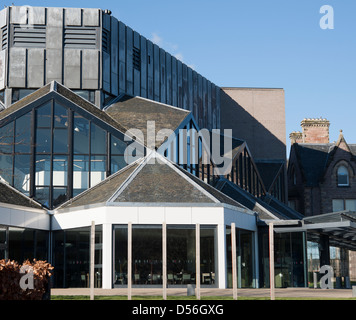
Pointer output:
54, 152
71, 258
20, 244
147, 255
289, 259
245, 261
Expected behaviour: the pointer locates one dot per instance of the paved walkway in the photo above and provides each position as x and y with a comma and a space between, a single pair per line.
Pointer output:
279, 293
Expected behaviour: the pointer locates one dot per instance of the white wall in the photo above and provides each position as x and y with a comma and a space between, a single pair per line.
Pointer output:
22, 217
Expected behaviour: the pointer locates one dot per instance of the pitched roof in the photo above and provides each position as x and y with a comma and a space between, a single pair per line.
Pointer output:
269, 171
135, 112
315, 158
10, 195
152, 179
267, 208
312, 159
59, 89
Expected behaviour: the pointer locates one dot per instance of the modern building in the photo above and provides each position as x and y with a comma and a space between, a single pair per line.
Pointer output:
99, 124
257, 116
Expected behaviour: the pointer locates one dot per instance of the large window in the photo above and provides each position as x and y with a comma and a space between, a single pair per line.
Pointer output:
344, 204
181, 255
71, 257
244, 258
53, 152
342, 176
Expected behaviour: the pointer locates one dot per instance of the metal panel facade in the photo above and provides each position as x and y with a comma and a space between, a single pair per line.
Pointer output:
119, 60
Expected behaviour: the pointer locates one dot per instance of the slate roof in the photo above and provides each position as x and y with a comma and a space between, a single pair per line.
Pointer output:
10, 195
313, 159
134, 112
151, 180
267, 208
268, 171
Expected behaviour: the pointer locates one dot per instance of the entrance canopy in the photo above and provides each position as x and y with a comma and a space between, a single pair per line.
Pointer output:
340, 227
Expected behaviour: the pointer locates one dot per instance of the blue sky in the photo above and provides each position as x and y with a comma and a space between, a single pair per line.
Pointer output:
257, 43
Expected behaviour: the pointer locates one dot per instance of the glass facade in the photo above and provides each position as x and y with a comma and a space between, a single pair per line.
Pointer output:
147, 255
20, 244
245, 261
289, 259
55, 151
71, 258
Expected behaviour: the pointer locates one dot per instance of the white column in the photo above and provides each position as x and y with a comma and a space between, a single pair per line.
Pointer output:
271, 261
234, 269
221, 256
197, 261
164, 259
107, 262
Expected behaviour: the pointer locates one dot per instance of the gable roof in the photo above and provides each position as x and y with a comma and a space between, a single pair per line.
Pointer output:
10, 195
135, 112
55, 89
269, 171
312, 160
267, 208
152, 179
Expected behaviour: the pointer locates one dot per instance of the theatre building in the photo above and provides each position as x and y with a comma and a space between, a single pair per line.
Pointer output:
100, 124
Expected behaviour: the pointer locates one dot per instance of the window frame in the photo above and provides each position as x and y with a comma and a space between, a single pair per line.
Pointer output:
347, 184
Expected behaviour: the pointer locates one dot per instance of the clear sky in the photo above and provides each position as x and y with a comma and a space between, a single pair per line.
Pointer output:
256, 43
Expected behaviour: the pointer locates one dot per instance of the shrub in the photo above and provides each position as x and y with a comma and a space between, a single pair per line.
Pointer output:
27, 282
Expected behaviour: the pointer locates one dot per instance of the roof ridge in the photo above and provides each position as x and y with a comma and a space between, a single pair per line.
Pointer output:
127, 181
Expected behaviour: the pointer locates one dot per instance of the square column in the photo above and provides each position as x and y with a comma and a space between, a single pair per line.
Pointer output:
221, 251
107, 263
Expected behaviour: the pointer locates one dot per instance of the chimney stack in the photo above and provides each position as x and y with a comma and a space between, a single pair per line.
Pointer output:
296, 137
315, 130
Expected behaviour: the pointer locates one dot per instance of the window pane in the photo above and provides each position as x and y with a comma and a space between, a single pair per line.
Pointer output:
59, 196
60, 140
60, 116
6, 168
43, 115
43, 140
120, 255
43, 170
180, 255
23, 134
6, 138
98, 140
81, 135
60, 170
207, 259
117, 163
338, 205
147, 255
18, 94
98, 169
342, 176
350, 204
80, 174
117, 146
22, 173
42, 195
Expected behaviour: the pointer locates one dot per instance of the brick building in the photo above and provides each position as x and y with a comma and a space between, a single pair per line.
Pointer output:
322, 180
